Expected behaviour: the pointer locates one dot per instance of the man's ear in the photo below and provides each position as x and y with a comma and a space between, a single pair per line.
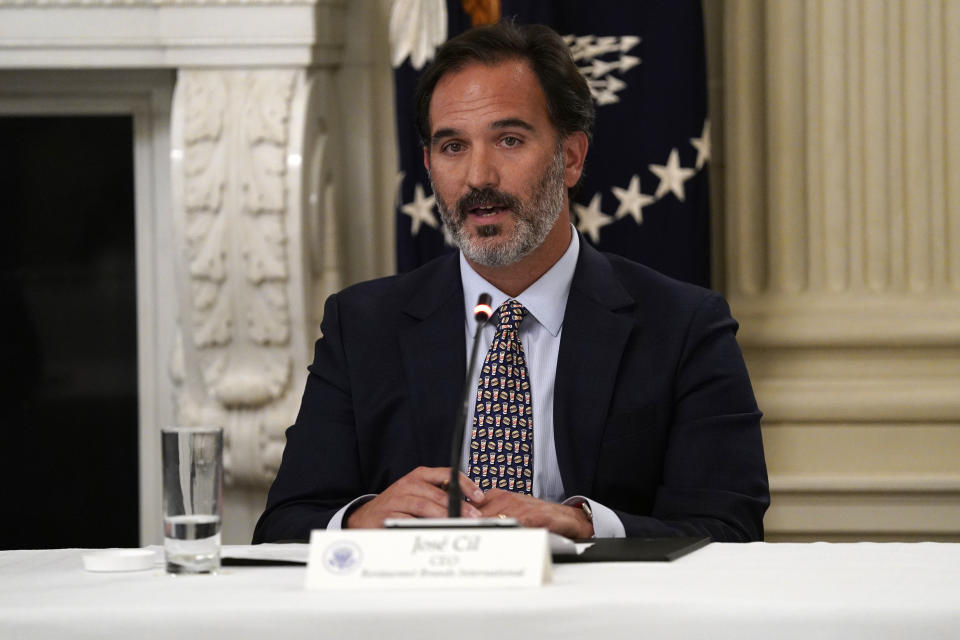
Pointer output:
574, 154
426, 158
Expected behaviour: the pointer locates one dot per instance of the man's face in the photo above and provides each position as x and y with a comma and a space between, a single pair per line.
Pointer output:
496, 163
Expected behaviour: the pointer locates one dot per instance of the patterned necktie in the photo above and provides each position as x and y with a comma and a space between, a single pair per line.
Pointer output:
501, 440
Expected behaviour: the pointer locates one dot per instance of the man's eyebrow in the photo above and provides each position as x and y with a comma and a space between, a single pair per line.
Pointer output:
440, 134
506, 123
512, 122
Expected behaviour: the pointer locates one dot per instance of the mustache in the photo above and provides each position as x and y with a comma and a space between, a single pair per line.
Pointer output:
487, 197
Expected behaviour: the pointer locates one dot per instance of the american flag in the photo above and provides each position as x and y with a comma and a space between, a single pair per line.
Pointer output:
645, 191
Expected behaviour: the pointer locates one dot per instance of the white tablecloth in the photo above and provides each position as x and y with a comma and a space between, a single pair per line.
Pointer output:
722, 591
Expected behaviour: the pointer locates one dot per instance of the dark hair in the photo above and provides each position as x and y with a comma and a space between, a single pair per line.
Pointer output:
569, 103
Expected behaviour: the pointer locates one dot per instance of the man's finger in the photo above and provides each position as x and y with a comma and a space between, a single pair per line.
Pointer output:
440, 477
498, 502
470, 490
416, 496
497, 498
467, 510
420, 507
423, 490
433, 475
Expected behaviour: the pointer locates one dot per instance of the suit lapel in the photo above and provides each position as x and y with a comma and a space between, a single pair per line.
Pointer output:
434, 358
592, 343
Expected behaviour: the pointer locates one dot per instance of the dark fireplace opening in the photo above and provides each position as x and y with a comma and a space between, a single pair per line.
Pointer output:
68, 347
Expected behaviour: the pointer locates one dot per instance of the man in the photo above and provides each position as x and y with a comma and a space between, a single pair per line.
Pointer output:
612, 400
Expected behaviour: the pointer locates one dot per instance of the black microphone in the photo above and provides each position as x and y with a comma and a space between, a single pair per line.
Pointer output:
481, 313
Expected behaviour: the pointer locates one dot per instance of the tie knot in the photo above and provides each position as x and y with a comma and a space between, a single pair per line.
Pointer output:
510, 314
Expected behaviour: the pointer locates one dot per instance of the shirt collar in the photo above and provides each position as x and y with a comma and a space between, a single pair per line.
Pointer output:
545, 299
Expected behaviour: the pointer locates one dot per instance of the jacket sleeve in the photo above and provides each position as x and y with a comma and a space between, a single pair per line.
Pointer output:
320, 469
714, 475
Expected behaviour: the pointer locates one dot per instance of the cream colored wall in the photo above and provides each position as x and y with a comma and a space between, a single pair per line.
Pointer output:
840, 181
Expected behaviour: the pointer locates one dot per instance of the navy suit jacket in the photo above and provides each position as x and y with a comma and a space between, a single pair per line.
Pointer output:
654, 415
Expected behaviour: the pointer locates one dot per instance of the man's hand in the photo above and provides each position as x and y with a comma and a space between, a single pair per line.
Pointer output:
419, 494
567, 521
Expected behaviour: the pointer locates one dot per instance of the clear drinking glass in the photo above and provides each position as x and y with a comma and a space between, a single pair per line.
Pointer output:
192, 498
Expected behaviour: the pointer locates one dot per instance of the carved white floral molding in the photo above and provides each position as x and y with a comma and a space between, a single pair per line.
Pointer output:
251, 218
235, 138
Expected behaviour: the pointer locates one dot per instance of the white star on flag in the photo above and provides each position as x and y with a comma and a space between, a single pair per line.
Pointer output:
702, 145
591, 219
420, 210
672, 176
632, 201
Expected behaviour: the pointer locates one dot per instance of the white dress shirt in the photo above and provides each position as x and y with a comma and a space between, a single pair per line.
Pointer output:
540, 331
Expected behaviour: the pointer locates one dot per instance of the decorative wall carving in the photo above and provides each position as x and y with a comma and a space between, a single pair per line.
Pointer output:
235, 136
246, 282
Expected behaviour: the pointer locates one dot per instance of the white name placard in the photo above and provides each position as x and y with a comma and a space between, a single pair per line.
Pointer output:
426, 558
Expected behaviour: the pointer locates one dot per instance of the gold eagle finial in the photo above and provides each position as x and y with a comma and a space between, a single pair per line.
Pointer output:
482, 11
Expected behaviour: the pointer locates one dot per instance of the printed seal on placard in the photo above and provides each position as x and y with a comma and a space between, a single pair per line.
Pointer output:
342, 557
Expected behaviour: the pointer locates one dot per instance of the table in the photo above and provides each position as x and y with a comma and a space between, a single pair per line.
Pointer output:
815, 590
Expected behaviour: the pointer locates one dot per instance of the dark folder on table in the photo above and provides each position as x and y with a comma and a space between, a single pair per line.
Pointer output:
635, 550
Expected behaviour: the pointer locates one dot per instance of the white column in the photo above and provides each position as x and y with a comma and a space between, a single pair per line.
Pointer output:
842, 218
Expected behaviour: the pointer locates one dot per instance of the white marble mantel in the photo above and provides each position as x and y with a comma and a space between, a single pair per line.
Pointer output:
243, 180
170, 33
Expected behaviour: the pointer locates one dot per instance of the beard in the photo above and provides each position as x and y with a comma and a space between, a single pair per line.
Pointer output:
533, 219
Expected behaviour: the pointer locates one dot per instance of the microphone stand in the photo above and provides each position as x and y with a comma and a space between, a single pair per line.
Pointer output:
481, 313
